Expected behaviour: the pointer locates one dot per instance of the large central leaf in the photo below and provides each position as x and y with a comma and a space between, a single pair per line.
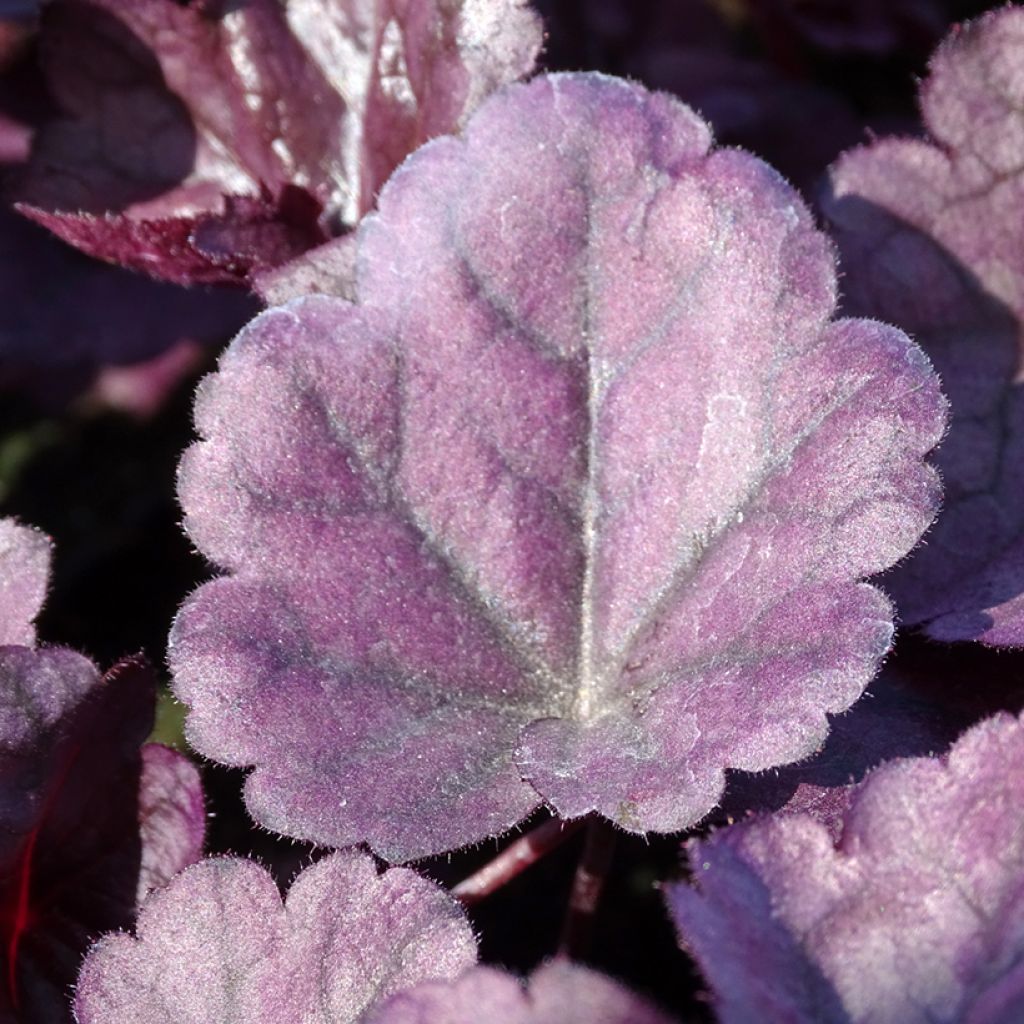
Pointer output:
572, 507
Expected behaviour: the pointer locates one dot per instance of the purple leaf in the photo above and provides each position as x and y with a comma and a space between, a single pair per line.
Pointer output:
558, 993
69, 832
932, 240
87, 824
15, 140
166, 108
912, 916
24, 575
217, 944
172, 816
574, 506
18, 20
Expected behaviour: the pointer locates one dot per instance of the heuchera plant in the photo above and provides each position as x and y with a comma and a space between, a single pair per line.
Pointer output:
583, 527
558, 993
568, 486
208, 143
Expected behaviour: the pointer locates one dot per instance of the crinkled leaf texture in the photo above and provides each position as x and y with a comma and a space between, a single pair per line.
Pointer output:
932, 240
24, 574
166, 108
85, 826
912, 917
558, 993
571, 508
217, 944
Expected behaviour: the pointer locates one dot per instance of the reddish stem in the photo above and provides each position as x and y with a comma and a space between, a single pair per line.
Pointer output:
515, 859
587, 886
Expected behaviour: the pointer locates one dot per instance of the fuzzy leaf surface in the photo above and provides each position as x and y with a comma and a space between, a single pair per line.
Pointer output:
24, 575
558, 993
573, 506
932, 240
911, 917
217, 944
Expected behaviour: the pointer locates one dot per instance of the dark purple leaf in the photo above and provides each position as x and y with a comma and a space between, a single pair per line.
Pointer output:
69, 826
608, 34
18, 19
574, 506
24, 575
88, 822
558, 993
912, 916
753, 105
217, 944
168, 107
933, 240
871, 27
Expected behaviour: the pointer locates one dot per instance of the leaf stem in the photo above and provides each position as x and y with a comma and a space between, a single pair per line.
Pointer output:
515, 859
587, 886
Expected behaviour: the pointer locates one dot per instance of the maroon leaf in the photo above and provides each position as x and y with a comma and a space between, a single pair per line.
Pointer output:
66, 319
69, 827
166, 108
249, 235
